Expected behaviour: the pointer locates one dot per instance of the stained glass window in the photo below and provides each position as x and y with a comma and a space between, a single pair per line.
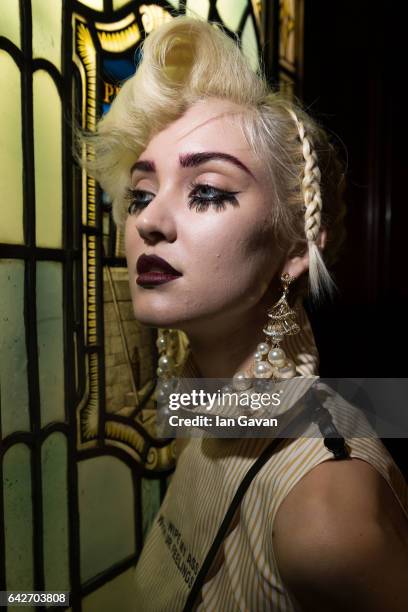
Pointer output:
18, 519
47, 23
54, 462
47, 160
77, 371
13, 351
11, 176
35, 269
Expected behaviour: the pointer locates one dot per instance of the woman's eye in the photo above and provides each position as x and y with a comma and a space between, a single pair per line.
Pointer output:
138, 199
203, 196
200, 198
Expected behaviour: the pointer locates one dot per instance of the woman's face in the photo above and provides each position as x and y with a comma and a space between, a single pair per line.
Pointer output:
200, 201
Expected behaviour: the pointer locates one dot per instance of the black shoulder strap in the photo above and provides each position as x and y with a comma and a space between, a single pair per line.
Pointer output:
333, 441
251, 473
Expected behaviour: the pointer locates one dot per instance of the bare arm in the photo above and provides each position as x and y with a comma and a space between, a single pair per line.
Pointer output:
341, 541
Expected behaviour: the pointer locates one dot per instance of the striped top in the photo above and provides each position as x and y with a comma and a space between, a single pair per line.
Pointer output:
244, 575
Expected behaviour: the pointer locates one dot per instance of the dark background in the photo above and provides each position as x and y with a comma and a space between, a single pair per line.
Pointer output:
353, 69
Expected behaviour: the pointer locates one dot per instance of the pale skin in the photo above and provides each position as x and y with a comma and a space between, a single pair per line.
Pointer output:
347, 551
232, 249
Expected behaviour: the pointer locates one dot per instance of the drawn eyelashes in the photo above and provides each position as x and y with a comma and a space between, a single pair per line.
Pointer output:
201, 196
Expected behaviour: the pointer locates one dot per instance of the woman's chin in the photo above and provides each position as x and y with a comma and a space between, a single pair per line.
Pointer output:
157, 319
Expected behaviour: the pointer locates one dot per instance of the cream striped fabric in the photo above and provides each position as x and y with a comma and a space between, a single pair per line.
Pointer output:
244, 576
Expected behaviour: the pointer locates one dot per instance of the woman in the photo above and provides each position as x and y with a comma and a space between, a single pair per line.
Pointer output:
224, 188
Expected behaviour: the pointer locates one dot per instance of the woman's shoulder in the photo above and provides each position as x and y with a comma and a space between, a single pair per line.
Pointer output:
340, 528
338, 490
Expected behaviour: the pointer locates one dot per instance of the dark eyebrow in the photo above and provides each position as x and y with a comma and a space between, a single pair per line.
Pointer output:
144, 166
192, 160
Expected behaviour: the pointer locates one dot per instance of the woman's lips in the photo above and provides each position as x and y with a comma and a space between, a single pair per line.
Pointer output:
155, 278
154, 270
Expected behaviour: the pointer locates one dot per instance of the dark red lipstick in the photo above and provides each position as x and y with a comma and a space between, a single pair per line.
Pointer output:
154, 270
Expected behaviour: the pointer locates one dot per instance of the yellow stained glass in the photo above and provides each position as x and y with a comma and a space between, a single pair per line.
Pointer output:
11, 160
117, 4
198, 8
257, 8
249, 43
47, 30
153, 16
48, 167
10, 21
97, 5
231, 12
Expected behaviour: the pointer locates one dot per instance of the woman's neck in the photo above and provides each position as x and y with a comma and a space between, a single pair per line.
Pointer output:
220, 350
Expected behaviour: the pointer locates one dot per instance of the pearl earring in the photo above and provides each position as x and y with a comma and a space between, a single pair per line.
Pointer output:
270, 361
166, 345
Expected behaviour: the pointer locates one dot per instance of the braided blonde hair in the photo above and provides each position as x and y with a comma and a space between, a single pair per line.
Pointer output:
186, 60
319, 276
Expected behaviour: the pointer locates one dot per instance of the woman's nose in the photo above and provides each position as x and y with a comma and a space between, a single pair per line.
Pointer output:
156, 222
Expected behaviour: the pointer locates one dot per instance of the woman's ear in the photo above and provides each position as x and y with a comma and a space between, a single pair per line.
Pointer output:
296, 266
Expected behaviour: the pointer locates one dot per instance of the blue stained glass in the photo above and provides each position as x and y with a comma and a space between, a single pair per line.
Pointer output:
118, 69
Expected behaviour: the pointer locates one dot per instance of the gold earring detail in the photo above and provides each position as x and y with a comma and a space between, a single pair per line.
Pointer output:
270, 361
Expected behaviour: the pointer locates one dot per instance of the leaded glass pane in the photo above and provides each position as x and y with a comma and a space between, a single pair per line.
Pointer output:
55, 506
13, 356
117, 4
153, 16
106, 507
10, 21
97, 5
50, 341
47, 30
249, 43
48, 167
18, 518
150, 502
106, 598
231, 12
11, 155
198, 8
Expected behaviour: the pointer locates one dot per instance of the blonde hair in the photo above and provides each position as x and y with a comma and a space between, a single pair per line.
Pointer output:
186, 60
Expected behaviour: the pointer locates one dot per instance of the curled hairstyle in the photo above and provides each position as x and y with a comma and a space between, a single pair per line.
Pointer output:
186, 60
